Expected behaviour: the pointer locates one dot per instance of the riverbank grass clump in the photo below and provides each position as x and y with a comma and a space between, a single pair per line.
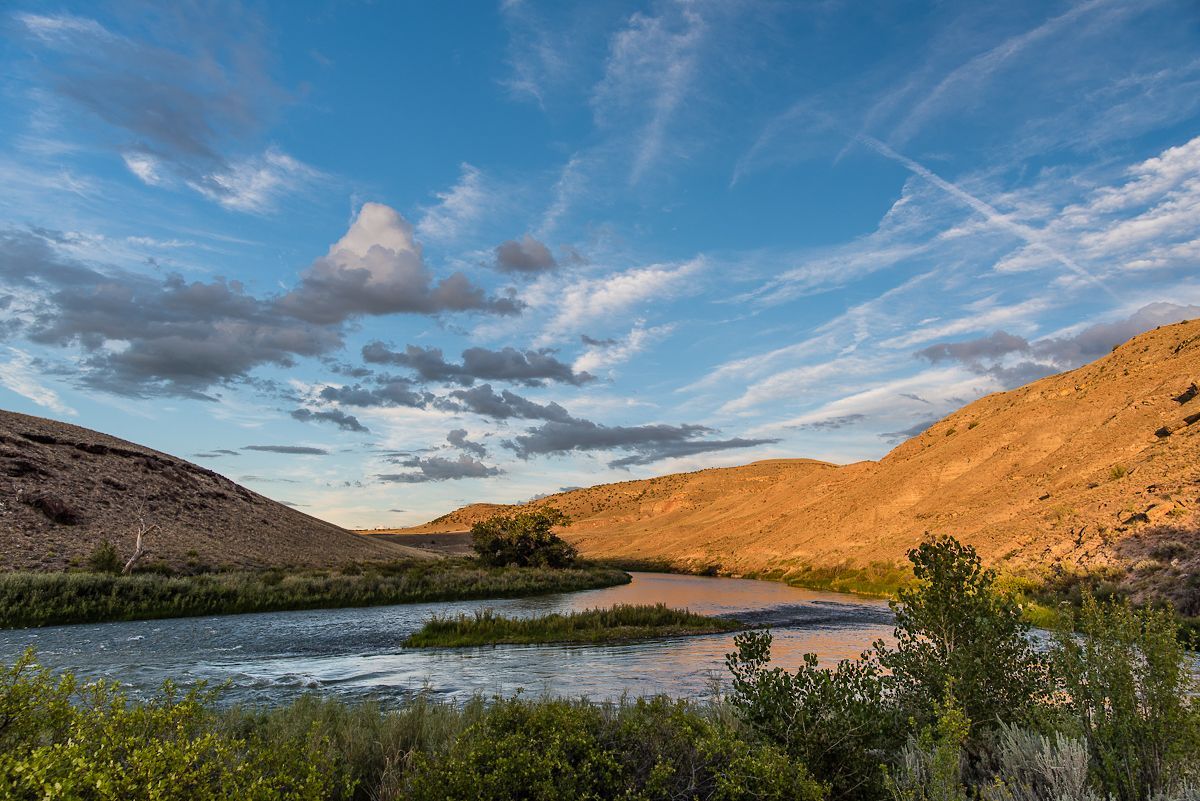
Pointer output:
622, 623
47, 599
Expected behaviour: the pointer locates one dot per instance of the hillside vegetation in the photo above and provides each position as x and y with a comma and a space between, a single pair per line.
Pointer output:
1094, 469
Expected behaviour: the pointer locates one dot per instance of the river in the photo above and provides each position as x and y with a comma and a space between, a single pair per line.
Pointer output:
356, 653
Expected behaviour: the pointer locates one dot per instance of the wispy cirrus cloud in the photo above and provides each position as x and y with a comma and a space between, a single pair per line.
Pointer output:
652, 64
458, 208
187, 111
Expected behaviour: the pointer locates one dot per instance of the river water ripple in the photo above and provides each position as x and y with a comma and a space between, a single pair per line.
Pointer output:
356, 653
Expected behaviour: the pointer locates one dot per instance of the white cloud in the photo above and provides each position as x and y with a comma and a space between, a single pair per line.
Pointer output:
61, 28
929, 393
580, 303
604, 357
19, 375
458, 208
255, 184
969, 78
651, 67
145, 167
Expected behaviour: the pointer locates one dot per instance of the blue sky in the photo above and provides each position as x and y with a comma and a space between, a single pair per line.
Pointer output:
379, 260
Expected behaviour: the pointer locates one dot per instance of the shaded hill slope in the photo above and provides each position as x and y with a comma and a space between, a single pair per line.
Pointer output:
64, 489
1097, 466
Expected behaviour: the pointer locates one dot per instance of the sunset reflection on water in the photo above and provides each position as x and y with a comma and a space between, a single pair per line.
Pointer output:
356, 653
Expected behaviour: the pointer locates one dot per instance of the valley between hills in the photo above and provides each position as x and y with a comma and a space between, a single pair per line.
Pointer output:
1096, 469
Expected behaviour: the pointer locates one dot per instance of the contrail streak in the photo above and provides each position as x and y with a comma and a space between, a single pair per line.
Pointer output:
1030, 236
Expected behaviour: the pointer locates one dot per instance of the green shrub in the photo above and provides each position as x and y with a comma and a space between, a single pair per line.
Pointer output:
524, 539
68, 742
838, 722
1126, 681
956, 632
650, 749
930, 767
43, 599
104, 558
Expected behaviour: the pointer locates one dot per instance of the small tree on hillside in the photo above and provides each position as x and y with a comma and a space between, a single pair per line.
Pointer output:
956, 634
524, 539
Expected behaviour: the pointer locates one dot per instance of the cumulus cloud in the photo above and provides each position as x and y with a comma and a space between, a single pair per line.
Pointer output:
377, 268
992, 346
458, 439
386, 391
649, 443
524, 255
346, 422
1042, 357
832, 423
440, 468
531, 367
505, 405
291, 450
143, 335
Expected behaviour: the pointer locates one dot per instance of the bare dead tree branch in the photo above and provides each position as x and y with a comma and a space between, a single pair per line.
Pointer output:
142, 529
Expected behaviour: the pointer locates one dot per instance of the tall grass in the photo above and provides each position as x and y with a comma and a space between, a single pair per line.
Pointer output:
877, 580
621, 623
45, 599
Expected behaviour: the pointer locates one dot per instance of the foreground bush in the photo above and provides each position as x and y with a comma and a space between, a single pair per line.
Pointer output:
44, 599
650, 749
838, 722
62, 741
964, 707
956, 634
1127, 685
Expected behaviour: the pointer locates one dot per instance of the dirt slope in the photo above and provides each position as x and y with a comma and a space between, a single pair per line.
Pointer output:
1067, 470
63, 489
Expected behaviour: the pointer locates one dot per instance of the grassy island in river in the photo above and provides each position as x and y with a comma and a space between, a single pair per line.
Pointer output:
622, 623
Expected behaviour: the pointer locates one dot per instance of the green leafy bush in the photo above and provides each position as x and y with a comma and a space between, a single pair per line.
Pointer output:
956, 633
650, 749
63, 741
104, 558
838, 722
1126, 680
524, 539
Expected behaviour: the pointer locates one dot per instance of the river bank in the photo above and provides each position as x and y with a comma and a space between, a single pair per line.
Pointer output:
46, 599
